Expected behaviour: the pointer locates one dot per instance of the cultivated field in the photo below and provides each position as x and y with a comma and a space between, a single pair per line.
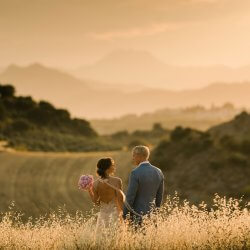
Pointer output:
41, 182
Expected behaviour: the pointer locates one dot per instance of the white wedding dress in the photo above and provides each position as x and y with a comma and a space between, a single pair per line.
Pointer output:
108, 217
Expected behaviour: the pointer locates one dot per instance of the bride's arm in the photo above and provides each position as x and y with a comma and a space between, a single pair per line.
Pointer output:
94, 195
120, 194
120, 184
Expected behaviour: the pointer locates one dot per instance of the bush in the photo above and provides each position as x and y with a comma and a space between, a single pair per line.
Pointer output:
229, 143
246, 191
238, 160
245, 147
179, 133
120, 135
7, 91
24, 104
215, 164
21, 125
2, 112
195, 146
83, 127
163, 157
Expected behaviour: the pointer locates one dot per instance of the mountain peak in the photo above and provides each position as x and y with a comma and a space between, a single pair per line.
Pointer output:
130, 56
13, 68
36, 65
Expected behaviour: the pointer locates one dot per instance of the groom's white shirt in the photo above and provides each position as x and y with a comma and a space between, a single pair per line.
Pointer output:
142, 163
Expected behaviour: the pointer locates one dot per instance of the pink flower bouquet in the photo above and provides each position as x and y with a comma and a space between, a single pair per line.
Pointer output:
86, 182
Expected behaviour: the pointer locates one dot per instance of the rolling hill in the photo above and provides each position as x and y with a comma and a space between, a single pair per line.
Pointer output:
238, 128
84, 100
196, 164
199, 164
38, 126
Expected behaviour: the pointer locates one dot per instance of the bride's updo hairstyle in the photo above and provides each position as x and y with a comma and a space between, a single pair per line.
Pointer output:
103, 165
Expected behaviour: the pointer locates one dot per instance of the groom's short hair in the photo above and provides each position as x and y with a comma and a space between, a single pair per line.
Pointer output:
141, 150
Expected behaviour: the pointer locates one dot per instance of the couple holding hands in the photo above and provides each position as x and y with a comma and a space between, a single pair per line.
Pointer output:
144, 194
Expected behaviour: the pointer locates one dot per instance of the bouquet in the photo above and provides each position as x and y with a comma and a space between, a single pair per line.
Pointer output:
86, 182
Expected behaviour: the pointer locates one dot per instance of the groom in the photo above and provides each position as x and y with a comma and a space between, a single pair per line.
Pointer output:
146, 185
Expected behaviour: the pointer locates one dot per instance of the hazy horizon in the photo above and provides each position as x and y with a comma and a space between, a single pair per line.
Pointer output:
108, 49
70, 34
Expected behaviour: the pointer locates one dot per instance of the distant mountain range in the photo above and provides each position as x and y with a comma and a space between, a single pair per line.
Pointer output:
92, 99
196, 117
142, 68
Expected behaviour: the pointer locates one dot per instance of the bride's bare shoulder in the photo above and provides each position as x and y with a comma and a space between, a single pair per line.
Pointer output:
115, 178
117, 181
96, 184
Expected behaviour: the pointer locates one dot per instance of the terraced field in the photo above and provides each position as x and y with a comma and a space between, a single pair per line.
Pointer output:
41, 182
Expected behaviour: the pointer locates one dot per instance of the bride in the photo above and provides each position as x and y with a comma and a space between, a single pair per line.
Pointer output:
107, 193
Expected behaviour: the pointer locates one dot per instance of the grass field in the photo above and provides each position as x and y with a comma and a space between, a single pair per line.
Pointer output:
39, 183
175, 226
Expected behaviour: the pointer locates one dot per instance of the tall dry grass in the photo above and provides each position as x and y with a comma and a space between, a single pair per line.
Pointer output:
176, 226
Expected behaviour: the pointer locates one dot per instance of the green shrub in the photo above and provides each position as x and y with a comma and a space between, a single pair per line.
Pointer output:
179, 133
120, 135
6, 91
21, 125
246, 191
2, 112
238, 160
215, 164
245, 147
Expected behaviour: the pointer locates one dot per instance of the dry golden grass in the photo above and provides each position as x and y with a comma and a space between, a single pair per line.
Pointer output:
175, 226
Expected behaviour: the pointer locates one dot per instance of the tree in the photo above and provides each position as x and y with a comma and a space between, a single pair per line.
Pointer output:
7, 91
21, 125
2, 112
228, 106
83, 127
179, 133
120, 135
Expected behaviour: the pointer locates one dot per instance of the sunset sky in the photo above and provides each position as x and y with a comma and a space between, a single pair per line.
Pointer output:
71, 33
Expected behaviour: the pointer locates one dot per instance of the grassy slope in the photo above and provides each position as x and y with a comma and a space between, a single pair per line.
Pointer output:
38, 182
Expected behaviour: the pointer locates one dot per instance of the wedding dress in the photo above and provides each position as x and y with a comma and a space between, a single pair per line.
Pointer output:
108, 216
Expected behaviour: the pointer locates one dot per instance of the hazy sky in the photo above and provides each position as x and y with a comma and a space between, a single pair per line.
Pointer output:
69, 33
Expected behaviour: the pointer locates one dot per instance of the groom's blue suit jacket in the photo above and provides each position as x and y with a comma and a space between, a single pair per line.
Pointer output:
145, 189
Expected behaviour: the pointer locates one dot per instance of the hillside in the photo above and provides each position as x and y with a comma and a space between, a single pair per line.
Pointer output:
199, 164
42, 82
39, 126
91, 100
141, 67
196, 164
239, 128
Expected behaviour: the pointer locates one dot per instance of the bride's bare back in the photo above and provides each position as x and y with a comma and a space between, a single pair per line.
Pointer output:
104, 192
